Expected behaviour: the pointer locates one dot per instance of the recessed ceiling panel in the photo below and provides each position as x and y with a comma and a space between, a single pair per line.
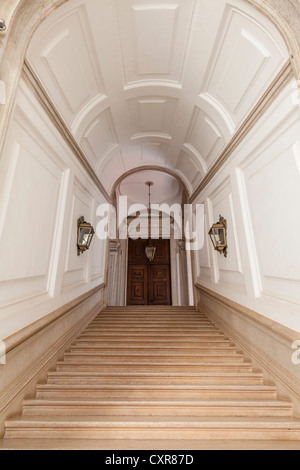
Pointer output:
244, 60
189, 168
152, 116
154, 153
111, 169
154, 56
205, 136
99, 138
64, 57
154, 38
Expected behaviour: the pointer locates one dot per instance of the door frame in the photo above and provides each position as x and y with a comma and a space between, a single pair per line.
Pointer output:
148, 269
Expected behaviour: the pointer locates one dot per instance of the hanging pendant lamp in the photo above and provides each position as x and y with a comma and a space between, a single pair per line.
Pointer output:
150, 249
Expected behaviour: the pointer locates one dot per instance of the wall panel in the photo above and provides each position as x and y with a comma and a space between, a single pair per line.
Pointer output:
258, 192
31, 187
274, 223
76, 267
43, 192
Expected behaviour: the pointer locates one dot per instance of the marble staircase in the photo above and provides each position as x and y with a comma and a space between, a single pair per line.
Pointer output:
150, 373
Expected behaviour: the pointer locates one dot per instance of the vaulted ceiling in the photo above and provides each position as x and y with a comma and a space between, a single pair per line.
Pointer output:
160, 83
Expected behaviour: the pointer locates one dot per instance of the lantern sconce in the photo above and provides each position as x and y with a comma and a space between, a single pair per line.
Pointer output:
2, 25
218, 236
85, 234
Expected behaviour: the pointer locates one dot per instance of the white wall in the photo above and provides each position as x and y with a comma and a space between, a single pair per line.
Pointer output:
258, 192
43, 191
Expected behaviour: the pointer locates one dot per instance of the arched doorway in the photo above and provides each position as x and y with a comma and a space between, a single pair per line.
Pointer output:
133, 280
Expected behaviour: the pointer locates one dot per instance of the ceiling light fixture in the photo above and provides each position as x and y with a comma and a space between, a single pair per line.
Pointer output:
150, 249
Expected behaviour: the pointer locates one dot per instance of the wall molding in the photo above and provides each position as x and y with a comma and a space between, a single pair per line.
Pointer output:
16, 339
279, 83
241, 324
35, 85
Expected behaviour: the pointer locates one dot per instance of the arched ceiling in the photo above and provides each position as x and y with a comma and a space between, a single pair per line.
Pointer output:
165, 188
164, 83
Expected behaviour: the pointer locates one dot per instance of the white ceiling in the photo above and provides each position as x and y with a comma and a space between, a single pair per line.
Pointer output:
162, 83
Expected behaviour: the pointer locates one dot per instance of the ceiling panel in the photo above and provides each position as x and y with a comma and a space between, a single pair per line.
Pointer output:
63, 55
152, 56
154, 38
205, 136
99, 138
152, 116
189, 168
244, 60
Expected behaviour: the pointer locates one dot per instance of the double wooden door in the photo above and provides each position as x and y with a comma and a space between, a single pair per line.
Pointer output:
148, 283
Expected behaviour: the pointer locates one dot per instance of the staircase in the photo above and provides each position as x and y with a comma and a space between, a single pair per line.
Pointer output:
149, 373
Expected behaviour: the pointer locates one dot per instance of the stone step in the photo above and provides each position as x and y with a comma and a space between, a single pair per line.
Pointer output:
152, 330
152, 321
153, 317
128, 342
153, 350
155, 407
159, 336
151, 325
144, 316
154, 308
98, 357
155, 366
250, 392
153, 427
155, 378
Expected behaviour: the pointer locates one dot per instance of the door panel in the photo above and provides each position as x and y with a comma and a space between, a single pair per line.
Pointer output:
148, 282
159, 285
137, 288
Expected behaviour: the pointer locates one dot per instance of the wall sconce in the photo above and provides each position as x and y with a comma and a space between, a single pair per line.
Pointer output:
218, 236
2, 25
84, 235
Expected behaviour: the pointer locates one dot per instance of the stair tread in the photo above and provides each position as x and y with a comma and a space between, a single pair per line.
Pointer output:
157, 347
223, 364
160, 387
181, 421
176, 401
155, 374
135, 355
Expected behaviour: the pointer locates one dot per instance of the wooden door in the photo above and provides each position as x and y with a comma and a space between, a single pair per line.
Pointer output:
159, 284
148, 283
